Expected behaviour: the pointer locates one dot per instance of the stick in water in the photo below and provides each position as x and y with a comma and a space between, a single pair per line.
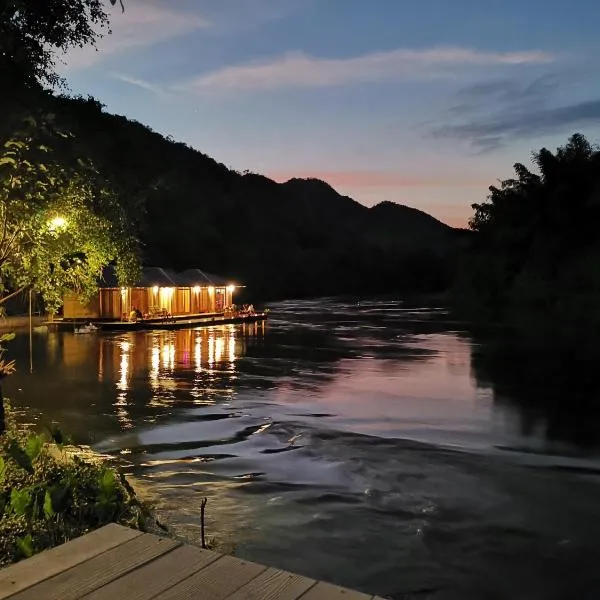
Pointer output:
202, 507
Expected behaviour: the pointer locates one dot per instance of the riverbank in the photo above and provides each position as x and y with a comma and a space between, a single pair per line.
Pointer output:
51, 493
15, 322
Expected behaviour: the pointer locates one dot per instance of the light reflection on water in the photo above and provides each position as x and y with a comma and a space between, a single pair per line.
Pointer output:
328, 437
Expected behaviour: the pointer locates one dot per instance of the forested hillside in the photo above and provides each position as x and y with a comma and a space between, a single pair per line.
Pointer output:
293, 239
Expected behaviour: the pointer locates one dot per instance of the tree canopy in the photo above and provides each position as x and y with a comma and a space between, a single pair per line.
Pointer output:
536, 236
59, 225
32, 32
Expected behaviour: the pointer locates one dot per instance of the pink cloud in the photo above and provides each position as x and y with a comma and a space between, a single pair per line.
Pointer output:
297, 69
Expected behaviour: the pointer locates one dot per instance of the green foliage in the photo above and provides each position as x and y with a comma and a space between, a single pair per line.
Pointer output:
536, 241
59, 225
47, 497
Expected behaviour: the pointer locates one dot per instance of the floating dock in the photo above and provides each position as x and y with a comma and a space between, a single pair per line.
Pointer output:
179, 322
114, 563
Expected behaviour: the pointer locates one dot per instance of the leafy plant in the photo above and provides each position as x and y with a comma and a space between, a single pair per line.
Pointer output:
48, 497
60, 224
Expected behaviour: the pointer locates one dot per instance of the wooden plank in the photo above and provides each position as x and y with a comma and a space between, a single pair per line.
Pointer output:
274, 584
215, 582
100, 570
46, 564
327, 591
156, 576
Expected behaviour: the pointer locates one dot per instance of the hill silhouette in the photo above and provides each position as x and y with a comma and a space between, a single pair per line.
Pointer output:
292, 239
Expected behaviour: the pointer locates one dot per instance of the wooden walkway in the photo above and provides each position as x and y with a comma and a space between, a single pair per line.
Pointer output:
115, 562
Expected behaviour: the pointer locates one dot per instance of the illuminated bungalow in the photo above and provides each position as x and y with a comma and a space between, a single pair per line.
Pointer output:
159, 292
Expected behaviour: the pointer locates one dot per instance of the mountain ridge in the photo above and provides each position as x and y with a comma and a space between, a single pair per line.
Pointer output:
284, 239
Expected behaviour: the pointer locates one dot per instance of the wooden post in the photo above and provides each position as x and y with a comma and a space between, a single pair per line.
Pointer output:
202, 507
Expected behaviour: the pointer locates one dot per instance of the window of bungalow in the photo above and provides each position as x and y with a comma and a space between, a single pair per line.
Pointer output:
219, 299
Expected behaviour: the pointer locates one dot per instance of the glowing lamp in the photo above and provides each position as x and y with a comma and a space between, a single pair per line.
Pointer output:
231, 288
211, 289
155, 289
196, 289
57, 223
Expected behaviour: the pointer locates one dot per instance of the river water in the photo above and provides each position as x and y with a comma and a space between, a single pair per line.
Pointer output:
375, 444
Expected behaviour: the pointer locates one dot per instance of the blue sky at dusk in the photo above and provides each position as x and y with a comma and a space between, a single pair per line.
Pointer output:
423, 102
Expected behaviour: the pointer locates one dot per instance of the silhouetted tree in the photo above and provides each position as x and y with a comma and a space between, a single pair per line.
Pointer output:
33, 32
536, 239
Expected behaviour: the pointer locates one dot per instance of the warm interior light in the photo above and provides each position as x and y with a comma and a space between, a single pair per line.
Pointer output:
196, 289
155, 289
123, 291
211, 289
231, 288
57, 223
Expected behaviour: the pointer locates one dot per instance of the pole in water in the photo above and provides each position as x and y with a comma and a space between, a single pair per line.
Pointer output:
202, 507
30, 335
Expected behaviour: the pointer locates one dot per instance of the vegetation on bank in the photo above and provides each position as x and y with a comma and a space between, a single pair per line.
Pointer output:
535, 247
49, 495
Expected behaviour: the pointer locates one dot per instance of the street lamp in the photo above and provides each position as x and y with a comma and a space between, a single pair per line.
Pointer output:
57, 223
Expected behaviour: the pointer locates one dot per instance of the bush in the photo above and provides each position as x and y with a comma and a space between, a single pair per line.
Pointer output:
49, 496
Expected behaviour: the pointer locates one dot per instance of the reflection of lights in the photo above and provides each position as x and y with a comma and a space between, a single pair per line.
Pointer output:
211, 349
219, 347
198, 354
155, 359
121, 402
124, 367
168, 356
122, 414
232, 348
154, 366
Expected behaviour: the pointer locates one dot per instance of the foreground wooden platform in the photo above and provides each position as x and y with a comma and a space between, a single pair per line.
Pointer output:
115, 562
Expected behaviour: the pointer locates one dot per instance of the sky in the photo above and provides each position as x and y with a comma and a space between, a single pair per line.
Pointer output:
422, 102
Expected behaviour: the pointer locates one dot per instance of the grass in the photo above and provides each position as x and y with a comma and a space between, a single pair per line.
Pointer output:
49, 496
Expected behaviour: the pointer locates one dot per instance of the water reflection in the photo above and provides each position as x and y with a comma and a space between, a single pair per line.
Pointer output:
547, 386
201, 361
271, 428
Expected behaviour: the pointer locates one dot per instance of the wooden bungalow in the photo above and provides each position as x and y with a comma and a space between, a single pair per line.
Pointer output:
159, 292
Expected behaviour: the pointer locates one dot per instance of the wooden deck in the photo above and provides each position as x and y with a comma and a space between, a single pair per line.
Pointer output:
115, 562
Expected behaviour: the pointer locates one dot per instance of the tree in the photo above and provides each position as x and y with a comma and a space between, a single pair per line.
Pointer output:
33, 31
59, 225
536, 234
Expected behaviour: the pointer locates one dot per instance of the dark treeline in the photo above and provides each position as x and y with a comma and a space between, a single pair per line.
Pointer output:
535, 246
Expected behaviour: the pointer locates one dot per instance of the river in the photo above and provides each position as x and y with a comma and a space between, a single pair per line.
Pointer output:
376, 444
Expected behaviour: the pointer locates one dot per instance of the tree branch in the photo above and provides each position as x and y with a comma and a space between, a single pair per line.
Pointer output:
6, 252
15, 293
4, 224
